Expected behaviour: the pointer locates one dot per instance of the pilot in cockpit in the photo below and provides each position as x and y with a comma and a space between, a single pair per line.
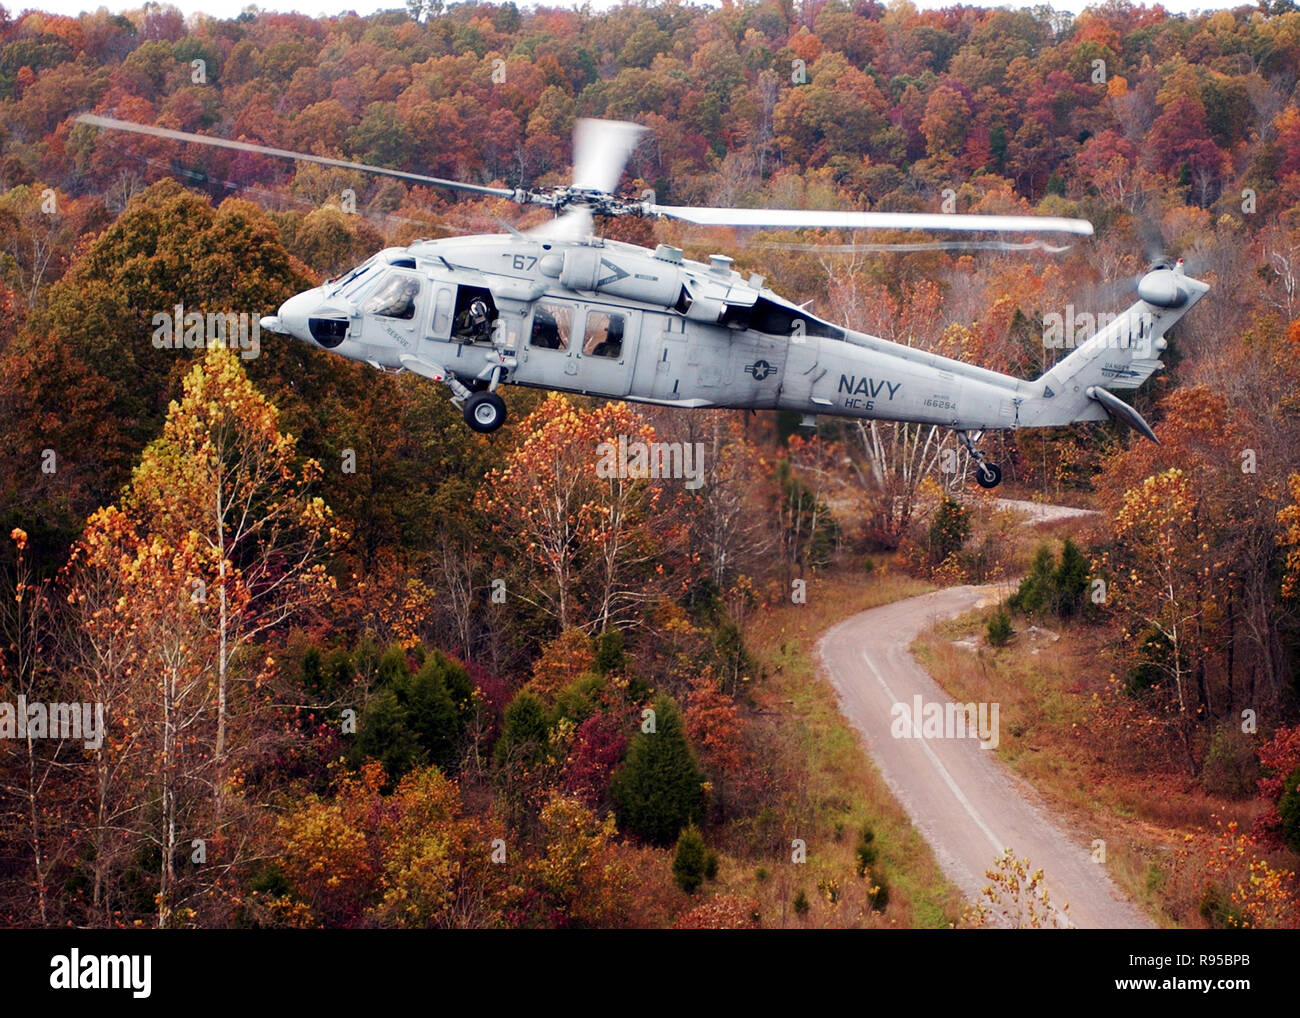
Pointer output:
396, 299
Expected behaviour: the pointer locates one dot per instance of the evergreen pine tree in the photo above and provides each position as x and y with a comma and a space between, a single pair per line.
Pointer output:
660, 787
1070, 580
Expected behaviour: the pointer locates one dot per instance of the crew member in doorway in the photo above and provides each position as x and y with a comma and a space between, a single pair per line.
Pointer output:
473, 324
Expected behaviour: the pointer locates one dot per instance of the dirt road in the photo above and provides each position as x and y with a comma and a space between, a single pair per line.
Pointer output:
965, 803
1043, 512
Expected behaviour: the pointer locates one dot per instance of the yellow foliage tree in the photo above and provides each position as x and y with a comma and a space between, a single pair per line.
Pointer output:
216, 541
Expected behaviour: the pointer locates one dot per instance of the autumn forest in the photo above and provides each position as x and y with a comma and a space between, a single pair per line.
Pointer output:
360, 666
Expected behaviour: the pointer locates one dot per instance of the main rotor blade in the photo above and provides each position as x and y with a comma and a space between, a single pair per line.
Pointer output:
575, 224
600, 151
927, 245
825, 219
113, 124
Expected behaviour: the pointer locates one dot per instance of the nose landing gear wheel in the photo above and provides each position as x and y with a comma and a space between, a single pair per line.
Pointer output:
485, 411
988, 475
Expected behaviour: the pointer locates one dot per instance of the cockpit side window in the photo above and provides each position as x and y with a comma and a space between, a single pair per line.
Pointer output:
395, 297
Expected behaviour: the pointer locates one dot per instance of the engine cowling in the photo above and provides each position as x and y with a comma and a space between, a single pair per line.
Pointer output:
631, 276
1162, 287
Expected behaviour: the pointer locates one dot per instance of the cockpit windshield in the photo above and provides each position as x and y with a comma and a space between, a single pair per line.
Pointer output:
352, 279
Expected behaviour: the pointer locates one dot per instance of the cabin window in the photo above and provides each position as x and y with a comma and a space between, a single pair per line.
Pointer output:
442, 305
552, 326
395, 298
604, 335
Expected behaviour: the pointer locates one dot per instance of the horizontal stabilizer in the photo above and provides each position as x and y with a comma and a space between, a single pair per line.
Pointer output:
1121, 411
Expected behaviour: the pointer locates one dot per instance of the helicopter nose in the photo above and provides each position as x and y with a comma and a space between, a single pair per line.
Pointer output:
293, 315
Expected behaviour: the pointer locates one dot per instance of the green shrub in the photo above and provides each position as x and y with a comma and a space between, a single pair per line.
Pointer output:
949, 529
731, 658
1036, 590
977, 563
1288, 809
1231, 767
384, 735
1153, 664
1220, 913
441, 700
865, 853
579, 699
609, 652
690, 861
392, 667
1054, 587
998, 631
865, 857
325, 675
801, 903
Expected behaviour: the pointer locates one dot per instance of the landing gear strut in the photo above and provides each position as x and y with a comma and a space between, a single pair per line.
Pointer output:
484, 410
987, 475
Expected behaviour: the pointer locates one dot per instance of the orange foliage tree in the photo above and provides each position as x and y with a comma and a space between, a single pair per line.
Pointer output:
590, 539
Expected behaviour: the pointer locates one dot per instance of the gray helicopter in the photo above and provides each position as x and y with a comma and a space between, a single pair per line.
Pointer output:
559, 308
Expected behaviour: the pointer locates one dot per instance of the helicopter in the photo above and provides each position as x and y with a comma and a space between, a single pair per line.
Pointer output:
558, 307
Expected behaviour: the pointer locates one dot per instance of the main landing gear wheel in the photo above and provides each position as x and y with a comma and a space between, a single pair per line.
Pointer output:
485, 411
988, 475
